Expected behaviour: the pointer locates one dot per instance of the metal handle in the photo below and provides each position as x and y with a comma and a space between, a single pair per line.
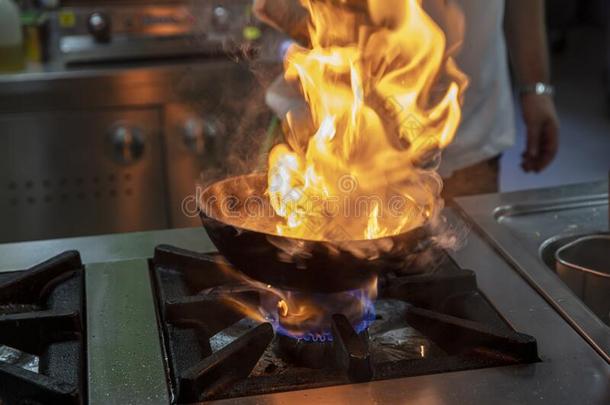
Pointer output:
221, 18
200, 134
128, 142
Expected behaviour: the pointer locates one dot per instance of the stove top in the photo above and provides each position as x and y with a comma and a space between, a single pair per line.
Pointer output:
138, 325
434, 322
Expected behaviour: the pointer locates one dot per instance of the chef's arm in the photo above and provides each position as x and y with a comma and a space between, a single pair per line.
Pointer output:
525, 29
527, 44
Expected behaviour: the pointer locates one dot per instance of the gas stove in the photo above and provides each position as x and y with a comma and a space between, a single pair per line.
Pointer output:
436, 321
433, 322
133, 319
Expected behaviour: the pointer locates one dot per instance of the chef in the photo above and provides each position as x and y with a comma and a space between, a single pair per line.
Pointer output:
493, 31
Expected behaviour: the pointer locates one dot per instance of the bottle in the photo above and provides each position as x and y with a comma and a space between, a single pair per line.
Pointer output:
11, 37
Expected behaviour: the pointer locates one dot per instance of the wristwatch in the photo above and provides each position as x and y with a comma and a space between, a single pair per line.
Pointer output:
538, 89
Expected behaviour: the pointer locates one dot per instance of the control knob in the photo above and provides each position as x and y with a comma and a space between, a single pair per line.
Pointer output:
221, 18
128, 142
201, 134
99, 25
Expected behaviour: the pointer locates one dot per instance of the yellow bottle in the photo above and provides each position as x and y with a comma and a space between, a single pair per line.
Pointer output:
11, 37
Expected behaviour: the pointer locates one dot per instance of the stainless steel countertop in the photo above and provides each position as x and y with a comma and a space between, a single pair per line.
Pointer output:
104, 248
57, 70
126, 363
53, 70
571, 370
520, 224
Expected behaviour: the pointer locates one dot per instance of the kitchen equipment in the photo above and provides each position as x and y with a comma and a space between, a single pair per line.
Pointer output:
153, 322
435, 322
35, 36
584, 265
11, 37
42, 339
241, 223
97, 31
53, 178
528, 227
128, 133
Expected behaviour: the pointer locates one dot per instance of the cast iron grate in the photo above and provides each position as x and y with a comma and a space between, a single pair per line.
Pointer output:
42, 350
444, 306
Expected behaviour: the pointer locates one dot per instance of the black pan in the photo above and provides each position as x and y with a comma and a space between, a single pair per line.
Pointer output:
241, 224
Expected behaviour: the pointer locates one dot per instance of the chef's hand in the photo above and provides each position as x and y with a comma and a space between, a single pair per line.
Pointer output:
542, 124
287, 16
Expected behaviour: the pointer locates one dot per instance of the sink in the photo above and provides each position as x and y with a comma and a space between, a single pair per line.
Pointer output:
593, 290
552, 245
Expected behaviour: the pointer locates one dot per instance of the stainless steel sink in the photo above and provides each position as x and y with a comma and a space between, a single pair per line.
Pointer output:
528, 227
551, 246
593, 290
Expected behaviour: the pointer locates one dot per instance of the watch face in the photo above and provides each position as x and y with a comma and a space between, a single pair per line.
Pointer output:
540, 88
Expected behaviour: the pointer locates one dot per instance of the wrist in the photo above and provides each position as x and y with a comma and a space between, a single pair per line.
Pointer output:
536, 89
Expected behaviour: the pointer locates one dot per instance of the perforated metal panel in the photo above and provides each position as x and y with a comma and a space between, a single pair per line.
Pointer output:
62, 175
61, 189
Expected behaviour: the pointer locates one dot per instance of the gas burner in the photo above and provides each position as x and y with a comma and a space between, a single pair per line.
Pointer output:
307, 317
42, 352
342, 346
304, 353
425, 323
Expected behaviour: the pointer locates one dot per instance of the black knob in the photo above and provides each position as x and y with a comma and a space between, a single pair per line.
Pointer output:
99, 26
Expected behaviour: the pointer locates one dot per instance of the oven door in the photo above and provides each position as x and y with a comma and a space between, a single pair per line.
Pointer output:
70, 173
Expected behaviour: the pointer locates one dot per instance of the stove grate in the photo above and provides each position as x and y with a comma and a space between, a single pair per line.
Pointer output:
232, 363
213, 353
42, 329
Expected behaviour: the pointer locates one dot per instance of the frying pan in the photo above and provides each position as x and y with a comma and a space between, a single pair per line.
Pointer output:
241, 224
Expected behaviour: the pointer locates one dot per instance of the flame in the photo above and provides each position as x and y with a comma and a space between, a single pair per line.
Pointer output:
300, 315
384, 99
308, 316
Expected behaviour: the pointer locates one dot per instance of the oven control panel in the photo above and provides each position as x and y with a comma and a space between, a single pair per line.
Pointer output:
116, 31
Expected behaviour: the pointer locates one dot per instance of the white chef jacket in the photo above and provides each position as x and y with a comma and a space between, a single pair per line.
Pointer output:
488, 124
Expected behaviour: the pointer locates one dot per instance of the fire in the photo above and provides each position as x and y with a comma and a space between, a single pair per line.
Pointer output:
300, 315
383, 99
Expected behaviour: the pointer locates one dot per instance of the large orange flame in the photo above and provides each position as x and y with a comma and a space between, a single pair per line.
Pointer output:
384, 99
